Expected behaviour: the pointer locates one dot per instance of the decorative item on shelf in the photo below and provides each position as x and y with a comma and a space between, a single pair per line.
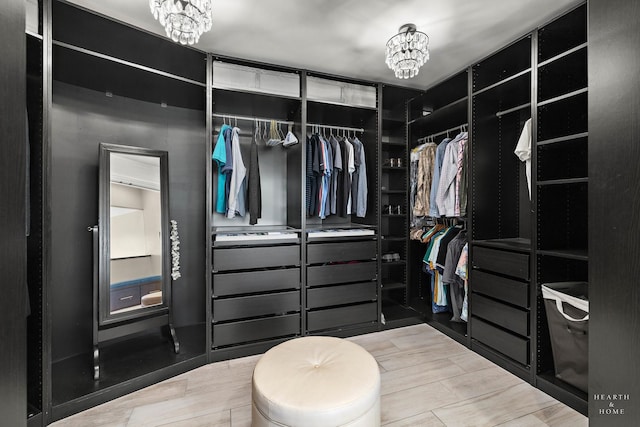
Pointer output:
407, 51
183, 20
391, 257
175, 251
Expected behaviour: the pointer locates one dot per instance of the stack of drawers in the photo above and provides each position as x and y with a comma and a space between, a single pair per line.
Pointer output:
256, 293
500, 302
341, 284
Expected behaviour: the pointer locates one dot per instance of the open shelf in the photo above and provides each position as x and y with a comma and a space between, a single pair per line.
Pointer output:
563, 34
510, 61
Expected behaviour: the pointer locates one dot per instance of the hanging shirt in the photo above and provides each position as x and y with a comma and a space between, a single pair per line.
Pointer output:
523, 151
337, 170
352, 170
437, 167
426, 160
236, 204
446, 195
309, 175
461, 146
344, 181
361, 207
325, 176
220, 157
254, 190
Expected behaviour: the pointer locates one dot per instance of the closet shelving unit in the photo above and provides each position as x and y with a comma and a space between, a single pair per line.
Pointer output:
341, 273
499, 276
562, 178
394, 225
256, 278
438, 112
112, 83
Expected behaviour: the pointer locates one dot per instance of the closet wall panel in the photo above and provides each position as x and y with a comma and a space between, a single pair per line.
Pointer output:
614, 154
13, 249
82, 119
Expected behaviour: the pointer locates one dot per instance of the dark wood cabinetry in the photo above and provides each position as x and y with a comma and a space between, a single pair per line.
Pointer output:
576, 82
614, 126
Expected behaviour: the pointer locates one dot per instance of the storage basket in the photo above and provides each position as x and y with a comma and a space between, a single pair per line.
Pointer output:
567, 307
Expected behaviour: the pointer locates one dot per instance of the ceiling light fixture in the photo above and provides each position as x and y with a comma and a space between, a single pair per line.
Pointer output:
407, 51
183, 20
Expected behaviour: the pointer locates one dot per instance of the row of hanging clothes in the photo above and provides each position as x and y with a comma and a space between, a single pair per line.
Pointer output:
336, 172
438, 178
238, 190
446, 262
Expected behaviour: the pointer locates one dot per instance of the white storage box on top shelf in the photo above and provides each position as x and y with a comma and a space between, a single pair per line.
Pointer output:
252, 79
336, 92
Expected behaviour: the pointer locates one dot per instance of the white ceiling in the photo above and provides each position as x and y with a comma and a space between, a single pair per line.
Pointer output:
348, 37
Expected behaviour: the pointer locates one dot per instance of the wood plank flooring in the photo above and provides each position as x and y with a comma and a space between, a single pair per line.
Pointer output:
427, 378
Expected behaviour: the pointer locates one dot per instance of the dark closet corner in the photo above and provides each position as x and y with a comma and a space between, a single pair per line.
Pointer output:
126, 365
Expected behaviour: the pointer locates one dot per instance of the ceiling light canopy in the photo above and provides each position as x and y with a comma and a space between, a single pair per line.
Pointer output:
407, 51
183, 20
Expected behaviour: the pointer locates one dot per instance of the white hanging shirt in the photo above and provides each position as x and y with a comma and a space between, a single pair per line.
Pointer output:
523, 151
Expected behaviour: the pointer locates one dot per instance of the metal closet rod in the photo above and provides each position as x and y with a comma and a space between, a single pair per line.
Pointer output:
336, 127
252, 119
460, 127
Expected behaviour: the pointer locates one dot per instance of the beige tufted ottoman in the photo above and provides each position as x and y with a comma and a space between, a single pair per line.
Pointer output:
316, 382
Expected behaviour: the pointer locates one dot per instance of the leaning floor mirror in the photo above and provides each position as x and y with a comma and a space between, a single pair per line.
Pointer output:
132, 277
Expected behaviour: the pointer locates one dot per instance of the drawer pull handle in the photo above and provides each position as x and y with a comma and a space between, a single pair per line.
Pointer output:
127, 297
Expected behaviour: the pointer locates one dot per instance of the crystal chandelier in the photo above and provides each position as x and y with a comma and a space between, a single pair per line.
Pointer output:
407, 51
184, 20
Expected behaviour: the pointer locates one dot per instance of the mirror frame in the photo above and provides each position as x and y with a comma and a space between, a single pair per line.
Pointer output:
105, 318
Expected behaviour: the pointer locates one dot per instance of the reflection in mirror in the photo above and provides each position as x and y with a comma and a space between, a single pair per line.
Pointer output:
135, 243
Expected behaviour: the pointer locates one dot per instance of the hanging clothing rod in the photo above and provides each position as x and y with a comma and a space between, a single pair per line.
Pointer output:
460, 127
252, 119
511, 110
336, 127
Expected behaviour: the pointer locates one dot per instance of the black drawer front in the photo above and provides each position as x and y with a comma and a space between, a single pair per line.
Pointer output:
256, 281
511, 291
509, 263
255, 257
343, 316
255, 305
125, 297
506, 343
341, 273
257, 329
345, 251
342, 294
508, 317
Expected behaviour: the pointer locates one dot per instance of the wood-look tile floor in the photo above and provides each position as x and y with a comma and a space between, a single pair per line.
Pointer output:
428, 379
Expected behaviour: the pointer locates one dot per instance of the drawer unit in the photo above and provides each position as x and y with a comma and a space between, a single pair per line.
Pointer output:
342, 316
256, 329
341, 273
343, 251
502, 341
511, 291
508, 317
255, 305
512, 264
256, 281
124, 297
245, 258
341, 294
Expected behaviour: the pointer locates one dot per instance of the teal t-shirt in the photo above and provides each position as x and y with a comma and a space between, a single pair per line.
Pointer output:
220, 157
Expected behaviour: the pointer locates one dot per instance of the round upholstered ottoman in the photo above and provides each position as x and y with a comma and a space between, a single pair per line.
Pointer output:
316, 382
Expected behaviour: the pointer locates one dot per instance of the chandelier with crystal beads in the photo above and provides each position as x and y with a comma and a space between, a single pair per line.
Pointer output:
183, 20
407, 51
